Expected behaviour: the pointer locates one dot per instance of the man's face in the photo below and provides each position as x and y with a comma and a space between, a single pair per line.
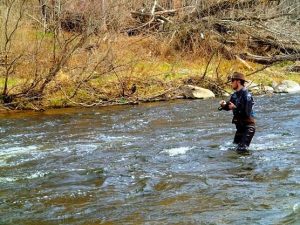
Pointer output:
234, 84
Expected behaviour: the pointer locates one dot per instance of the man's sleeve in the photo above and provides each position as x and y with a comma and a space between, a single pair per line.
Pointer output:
248, 104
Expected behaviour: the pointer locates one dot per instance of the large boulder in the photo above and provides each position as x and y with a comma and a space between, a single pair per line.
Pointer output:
287, 86
191, 91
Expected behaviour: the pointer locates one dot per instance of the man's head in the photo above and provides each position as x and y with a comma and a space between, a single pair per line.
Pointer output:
237, 80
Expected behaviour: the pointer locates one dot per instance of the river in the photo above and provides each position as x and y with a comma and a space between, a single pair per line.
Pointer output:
156, 163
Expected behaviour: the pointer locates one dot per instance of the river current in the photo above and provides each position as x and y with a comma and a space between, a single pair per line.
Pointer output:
156, 163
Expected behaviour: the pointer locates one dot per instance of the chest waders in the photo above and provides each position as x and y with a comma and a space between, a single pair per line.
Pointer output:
243, 136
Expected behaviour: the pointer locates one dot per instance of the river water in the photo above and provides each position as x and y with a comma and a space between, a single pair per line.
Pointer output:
158, 163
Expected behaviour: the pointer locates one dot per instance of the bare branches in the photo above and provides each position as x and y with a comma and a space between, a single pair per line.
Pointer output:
64, 57
259, 70
209, 61
263, 27
9, 60
226, 5
154, 18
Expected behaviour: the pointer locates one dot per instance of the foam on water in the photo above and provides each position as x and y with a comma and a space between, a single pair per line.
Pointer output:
85, 147
267, 145
15, 151
177, 151
7, 179
110, 138
228, 146
296, 207
37, 175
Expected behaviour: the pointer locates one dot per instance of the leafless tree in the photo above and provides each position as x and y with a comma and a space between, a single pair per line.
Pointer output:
44, 68
13, 13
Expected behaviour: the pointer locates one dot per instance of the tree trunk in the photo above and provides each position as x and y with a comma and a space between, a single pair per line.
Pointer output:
104, 15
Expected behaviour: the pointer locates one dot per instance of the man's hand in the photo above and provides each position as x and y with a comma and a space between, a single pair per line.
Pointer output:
231, 106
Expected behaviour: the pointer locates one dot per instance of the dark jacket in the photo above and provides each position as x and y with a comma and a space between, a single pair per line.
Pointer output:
243, 113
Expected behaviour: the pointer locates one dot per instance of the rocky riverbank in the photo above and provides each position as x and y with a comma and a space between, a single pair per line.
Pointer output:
188, 91
196, 92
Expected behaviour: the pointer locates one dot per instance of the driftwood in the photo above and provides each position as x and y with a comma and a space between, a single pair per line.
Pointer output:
256, 18
151, 19
283, 46
137, 14
269, 60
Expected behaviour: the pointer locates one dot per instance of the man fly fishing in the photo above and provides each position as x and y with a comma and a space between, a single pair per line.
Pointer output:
241, 103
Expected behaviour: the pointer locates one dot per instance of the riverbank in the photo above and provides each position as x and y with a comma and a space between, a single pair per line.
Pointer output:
152, 79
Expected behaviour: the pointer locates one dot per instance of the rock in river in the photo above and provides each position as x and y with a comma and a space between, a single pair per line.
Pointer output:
191, 91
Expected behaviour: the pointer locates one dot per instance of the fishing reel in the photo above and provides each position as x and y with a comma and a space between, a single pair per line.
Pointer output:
225, 106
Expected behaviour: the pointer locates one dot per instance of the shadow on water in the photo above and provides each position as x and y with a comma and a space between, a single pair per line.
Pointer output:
160, 163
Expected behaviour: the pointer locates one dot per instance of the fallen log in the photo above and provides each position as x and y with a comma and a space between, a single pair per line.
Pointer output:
150, 20
259, 18
286, 48
269, 60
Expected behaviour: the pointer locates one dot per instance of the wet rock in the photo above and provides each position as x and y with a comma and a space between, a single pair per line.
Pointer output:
287, 86
194, 92
268, 89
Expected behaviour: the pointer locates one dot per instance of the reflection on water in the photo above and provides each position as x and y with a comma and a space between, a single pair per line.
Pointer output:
159, 163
